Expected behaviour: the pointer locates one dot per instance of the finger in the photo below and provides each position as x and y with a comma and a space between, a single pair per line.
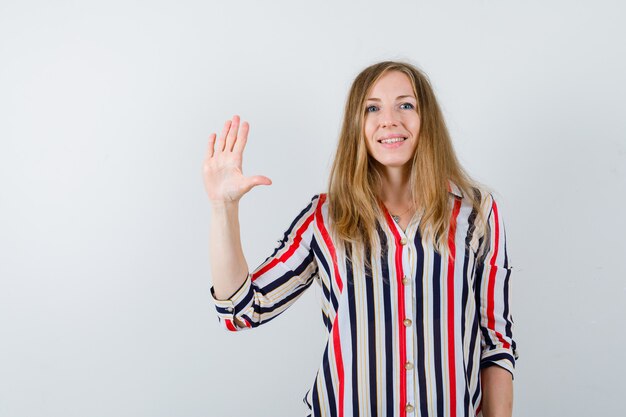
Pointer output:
211, 146
242, 138
222, 139
232, 133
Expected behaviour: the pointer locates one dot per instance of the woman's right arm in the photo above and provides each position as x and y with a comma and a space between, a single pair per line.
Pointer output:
225, 184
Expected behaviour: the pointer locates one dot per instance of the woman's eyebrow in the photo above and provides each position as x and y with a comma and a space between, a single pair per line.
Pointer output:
397, 98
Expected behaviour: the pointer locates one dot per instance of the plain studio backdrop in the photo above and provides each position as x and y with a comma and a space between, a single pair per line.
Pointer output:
105, 111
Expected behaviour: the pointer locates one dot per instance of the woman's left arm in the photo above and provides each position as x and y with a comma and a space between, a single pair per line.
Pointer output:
499, 350
497, 387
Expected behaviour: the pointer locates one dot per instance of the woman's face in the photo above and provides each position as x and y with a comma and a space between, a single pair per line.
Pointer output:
392, 124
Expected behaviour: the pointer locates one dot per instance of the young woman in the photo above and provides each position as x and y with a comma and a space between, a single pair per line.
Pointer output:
410, 254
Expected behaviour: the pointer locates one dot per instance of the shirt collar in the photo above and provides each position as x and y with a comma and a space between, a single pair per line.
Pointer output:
454, 189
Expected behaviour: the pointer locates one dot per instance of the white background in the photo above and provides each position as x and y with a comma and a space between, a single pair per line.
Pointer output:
105, 110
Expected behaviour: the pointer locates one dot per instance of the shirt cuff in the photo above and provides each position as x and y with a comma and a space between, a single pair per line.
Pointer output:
236, 303
504, 358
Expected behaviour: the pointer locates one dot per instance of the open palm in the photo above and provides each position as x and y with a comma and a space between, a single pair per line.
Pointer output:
223, 177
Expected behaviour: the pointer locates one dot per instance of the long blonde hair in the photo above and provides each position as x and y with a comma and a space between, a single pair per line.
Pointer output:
355, 179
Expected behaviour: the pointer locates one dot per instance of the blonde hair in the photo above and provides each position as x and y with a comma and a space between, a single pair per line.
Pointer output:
355, 179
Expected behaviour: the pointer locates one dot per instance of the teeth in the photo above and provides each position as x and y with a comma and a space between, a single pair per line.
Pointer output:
392, 140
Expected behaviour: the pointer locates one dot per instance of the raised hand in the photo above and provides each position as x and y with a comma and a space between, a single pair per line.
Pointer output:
224, 181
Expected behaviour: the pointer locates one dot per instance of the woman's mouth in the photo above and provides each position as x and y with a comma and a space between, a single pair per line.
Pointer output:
392, 142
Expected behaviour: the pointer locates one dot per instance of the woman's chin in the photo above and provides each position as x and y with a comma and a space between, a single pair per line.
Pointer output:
394, 163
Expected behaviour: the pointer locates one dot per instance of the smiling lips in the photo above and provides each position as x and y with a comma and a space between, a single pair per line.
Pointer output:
392, 141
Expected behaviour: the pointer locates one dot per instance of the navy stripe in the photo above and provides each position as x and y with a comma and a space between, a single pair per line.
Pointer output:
419, 327
480, 269
245, 300
388, 385
491, 360
470, 365
252, 323
371, 331
319, 256
473, 342
295, 294
508, 330
437, 332
509, 324
327, 322
222, 310
465, 296
477, 393
295, 272
293, 224
237, 308
466, 278
317, 407
349, 287
328, 383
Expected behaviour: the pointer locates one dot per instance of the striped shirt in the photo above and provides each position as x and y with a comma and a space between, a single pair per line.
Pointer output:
409, 332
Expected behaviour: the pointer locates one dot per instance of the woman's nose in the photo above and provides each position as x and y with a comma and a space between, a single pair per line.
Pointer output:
388, 118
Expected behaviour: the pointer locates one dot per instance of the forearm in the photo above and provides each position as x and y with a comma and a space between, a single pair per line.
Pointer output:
229, 268
497, 389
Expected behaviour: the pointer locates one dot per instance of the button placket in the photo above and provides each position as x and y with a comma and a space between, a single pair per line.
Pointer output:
407, 255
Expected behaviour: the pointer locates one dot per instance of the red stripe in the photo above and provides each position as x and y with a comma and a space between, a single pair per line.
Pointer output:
401, 312
336, 338
286, 255
229, 325
450, 298
491, 320
338, 362
327, 240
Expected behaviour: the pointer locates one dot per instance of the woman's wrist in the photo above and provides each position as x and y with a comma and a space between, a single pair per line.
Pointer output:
223, 205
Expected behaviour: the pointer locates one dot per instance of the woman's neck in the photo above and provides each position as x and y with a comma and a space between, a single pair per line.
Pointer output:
395, 187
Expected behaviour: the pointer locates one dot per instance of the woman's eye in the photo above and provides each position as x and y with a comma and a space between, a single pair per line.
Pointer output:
370, 109
407, 106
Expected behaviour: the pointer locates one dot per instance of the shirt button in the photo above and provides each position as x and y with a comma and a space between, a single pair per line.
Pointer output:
229, 309
406, 281
408, 366
407, 322
409, 408
403, 241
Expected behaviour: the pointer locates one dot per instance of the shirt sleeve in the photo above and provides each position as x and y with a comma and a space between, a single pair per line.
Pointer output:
492, 279
278, 282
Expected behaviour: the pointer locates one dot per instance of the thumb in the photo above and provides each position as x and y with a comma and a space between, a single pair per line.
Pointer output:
260, 180
255, 180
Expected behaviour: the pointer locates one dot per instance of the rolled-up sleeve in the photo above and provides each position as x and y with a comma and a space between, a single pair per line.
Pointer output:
227, 309
492, 281
278, 282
